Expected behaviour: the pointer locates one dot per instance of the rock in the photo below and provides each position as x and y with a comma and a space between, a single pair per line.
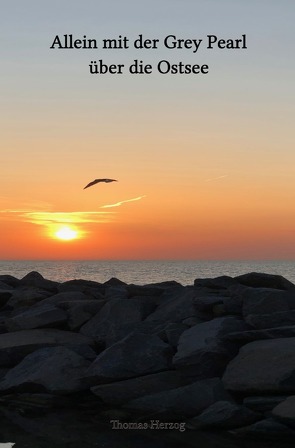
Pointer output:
207, 303
176, 305
118, 332
62, 297
265, 429
56, 370
253, 335
15, 346
222, 282
284, 412
225, 415
93, 290
37, 317
263, 403
81, 311
137, 354
119, 392
145, 290
38, 281
263, 366
201, 349
260, 280
113, 314
116, 292
27, 296
10, 280
4, 296
172, 333
271, 320
264, 300
233, 304
5, 287
185, 401
114, 282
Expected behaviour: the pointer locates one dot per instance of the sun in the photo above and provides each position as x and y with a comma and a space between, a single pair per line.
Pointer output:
66, 233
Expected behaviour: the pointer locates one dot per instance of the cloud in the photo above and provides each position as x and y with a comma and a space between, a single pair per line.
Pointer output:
117, 204
216, 178
47, 218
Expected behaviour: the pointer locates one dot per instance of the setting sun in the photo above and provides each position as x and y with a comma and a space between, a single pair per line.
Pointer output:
66, 233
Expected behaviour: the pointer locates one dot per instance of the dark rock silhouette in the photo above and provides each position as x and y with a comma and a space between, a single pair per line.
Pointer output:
218, 354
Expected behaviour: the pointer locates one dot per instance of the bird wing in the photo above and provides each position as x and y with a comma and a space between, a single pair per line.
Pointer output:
99, 180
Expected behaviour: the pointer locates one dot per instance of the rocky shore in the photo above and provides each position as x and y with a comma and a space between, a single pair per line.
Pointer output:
218, 355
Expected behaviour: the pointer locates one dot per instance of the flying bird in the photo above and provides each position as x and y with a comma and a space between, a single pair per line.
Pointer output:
99, 180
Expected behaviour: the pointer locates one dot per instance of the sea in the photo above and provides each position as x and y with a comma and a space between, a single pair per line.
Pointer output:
144, 271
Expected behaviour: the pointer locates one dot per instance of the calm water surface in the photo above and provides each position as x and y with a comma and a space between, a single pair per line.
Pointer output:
142, 272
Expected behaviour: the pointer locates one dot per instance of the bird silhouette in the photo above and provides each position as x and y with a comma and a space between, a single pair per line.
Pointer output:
96, 181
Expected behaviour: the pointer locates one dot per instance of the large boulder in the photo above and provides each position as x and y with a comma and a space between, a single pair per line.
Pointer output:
284, 412
92, 289
261, 280
137, 354
27, 296
201, 349
114, 313
120, 392
225, 415
37, 317
80, 311
263, 366
56, 370
176, 305
271, 320
222, 282
244, 337
16, 345
185, 401
38, 281
267, 429
264, 300
61, 297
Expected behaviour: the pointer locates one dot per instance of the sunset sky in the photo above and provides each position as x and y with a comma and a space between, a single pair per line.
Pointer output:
205, 163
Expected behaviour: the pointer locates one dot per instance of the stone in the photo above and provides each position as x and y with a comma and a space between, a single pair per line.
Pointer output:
61, 297
185, 401
207, 303
55, 370
263, 403
137, 354
10, 280
202, 350
37, 317
27, 296
116, 292
263, 367
93, 290
16, 345
244, 337
261, 280
119, 392
5, 296
268, 429
80, 311
264, 300
225, 415
176, 305
113, 281
112, 315
271, 320
38, 281
222, 282
284, 412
